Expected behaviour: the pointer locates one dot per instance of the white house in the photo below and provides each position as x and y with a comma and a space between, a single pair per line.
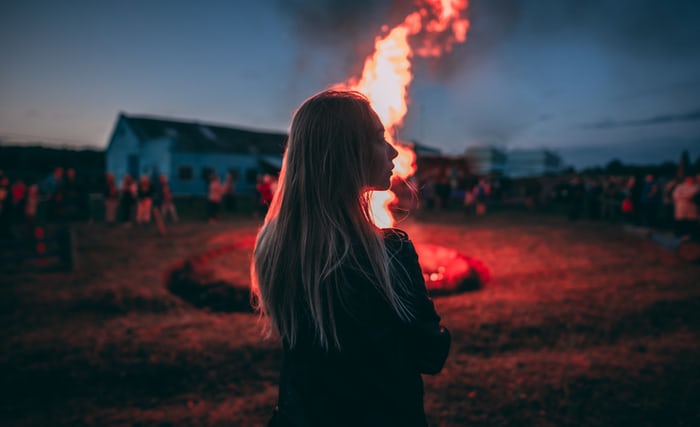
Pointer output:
188, 152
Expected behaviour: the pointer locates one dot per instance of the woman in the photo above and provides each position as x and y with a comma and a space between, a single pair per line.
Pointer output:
347, 299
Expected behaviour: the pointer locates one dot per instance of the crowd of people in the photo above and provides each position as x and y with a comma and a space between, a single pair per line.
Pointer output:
138, 201
141, 200
670, 203
20, 198
66, 200
665, 202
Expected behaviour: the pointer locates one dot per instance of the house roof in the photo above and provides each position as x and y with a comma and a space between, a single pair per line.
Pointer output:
192, 136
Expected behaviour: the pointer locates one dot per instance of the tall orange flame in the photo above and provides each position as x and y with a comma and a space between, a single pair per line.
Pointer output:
387, 74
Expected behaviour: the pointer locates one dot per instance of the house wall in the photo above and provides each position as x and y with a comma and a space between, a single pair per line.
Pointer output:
122, 144
155, 157
247, 167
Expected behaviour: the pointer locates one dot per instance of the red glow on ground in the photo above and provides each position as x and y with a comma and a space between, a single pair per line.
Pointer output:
445, 270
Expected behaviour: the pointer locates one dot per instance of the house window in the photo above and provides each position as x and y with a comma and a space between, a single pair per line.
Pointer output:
185, 173
207, 173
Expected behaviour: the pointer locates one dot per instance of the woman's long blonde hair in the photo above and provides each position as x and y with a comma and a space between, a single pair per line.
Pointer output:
319, 221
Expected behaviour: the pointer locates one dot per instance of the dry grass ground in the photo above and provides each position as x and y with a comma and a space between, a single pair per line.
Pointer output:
581, 325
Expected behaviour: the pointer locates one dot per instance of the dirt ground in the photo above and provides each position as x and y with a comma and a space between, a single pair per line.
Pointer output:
581, 324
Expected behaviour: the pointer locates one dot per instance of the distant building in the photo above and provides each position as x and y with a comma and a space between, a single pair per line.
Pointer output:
188, 152
523, 163
422, 150
486, 160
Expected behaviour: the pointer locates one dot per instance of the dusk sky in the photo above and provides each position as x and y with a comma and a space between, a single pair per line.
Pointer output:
590, 79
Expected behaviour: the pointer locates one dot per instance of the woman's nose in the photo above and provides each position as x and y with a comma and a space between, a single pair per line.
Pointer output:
392, 151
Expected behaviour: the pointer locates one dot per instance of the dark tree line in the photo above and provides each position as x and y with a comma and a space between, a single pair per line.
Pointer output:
35, 163
668, 168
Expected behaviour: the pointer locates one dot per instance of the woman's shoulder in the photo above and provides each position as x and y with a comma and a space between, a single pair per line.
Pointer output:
397, 241
395, 235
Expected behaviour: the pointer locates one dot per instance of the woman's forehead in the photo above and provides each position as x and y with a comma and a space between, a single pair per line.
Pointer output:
376, 123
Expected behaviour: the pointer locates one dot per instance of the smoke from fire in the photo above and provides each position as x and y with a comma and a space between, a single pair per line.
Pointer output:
352, 26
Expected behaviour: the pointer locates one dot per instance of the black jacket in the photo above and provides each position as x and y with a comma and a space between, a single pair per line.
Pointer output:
375, 380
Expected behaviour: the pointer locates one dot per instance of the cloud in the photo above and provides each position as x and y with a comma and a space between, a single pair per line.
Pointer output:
690, 116
649, 28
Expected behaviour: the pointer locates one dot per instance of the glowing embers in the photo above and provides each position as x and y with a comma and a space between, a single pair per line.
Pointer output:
217, 278
447, 271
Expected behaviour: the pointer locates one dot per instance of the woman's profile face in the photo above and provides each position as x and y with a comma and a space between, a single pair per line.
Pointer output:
380, 156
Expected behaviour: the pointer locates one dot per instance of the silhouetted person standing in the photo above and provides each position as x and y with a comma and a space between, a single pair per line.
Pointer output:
75, 199
127, 198
577, 195
650, 201
347, 298
54, 189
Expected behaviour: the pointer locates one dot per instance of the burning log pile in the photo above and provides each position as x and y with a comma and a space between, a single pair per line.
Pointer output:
203, 283
447, 271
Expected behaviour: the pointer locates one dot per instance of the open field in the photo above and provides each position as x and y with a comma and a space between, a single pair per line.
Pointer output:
581, 325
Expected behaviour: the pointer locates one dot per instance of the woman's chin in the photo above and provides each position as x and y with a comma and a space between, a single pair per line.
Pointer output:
381, 184
379, 187
384, 186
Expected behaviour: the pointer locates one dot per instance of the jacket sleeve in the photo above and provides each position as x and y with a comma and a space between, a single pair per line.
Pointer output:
427, 341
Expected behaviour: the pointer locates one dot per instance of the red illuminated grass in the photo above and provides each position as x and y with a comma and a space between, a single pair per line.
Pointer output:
580, 325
